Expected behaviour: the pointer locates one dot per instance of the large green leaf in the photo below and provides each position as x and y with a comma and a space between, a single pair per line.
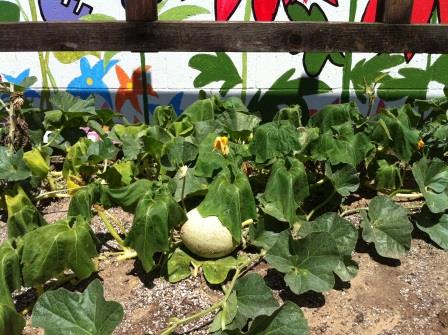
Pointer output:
432, 179
12, 166
387, 225
9, 12
154, 143
395, 130
126, 197
201, 110
178, 266
23, 216
120, 173
189, 184
274, 139
219, 67
216, 271
435, 225
11, 322
36, 162
209, 159
230, 198
286, 320
308, 263
345, 237
82, 201
71, 106
180, 13
344, 178
10, 275
286, 189
254, 298
179, 152
155, 217
335, 115
49, 250
368, 72
341, 147
239, 125
130, 137
388, 176
87, 313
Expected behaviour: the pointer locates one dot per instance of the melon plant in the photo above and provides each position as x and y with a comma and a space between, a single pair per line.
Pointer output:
214, 192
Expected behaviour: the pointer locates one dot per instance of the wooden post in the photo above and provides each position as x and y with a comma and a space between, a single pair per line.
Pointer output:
141, 10
394, 11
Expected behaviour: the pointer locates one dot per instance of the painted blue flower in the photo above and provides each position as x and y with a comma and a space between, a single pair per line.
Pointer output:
175, 101
29, 93
91, 80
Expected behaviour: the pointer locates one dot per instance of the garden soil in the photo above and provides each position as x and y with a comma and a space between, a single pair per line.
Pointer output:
387, 297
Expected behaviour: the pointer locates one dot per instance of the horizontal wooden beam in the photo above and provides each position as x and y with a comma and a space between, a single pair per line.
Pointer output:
223, 36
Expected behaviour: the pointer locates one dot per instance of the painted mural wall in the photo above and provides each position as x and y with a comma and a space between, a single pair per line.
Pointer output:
264, 81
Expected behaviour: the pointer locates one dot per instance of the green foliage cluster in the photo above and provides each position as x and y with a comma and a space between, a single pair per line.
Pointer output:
282, 188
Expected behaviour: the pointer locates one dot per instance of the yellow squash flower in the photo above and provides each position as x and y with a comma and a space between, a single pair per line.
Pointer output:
222, 145
420, 145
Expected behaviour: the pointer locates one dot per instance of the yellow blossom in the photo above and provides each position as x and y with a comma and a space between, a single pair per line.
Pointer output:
420, 144
222, 145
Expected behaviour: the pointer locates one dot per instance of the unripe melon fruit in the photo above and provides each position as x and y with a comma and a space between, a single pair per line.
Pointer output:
206, 236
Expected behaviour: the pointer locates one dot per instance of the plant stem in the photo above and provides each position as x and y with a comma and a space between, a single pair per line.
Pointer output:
220, 304
102, 214
353, 211
409, 196
247, 14
184, 181
11, 125
401, 190
357, 210
322, 204
56, 193
347, 70
43, 67
117, 222
145, 87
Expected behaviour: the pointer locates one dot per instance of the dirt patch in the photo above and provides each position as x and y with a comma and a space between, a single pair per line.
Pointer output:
387, 297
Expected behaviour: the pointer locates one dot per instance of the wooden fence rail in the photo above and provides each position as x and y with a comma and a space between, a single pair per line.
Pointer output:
143, 33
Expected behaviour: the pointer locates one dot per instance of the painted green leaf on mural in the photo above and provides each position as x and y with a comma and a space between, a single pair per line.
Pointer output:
411, 83
73, 56
219, 67
313, 62
439, 69
180, 13
9, 12
368, 72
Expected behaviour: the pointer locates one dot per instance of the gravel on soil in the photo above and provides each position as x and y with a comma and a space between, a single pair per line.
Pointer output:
387, 297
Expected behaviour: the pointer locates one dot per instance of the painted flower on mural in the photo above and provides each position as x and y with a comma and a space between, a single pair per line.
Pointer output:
421, 13
29, 93
91, 80
131, 88
263, 10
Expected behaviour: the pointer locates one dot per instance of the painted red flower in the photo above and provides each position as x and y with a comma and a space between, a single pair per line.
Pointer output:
421, 13
263, 10
131, 88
